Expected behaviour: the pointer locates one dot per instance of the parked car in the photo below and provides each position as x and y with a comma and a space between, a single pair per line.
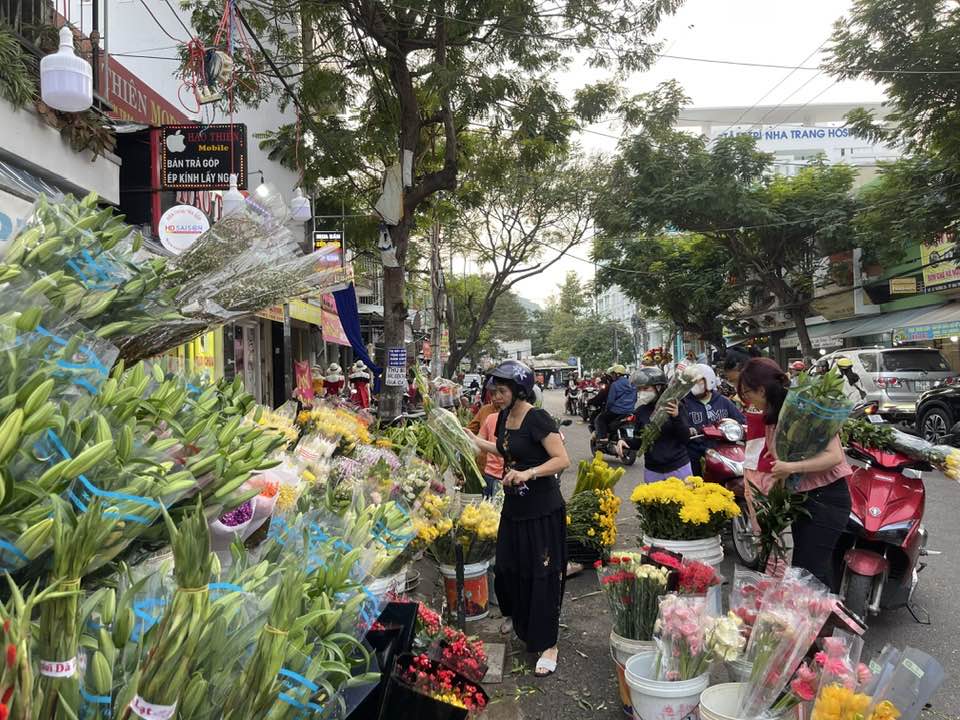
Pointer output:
938, 410
895, 378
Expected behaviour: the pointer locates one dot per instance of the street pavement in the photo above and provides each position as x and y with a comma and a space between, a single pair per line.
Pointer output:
585, 686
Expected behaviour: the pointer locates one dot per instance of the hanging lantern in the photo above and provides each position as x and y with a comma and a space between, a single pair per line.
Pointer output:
300, 206
233, 199
66, 80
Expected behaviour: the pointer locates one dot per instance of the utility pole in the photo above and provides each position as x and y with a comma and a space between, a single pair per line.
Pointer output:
436, 294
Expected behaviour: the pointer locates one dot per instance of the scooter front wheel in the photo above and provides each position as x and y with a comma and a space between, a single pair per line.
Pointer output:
859, 589
629, 457
744, 541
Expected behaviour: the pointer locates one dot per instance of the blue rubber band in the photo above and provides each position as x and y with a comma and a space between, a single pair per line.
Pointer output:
96, 699
309, 684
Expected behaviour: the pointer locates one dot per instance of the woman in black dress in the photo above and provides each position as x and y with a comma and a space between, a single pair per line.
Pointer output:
531, 545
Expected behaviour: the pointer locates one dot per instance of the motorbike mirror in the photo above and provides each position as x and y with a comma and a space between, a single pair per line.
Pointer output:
913, 473
564, 423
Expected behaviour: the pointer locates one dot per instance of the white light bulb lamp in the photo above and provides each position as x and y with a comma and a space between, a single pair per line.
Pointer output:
300, 206
233, 199
66, 80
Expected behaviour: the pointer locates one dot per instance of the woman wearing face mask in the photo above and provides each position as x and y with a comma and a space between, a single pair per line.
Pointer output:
823, 482
668, 456
704, 406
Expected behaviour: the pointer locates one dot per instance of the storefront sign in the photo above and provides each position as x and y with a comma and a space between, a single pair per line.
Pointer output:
941, 270
180, 226
301, 369
923, 333
903, 286
202, 157
329, 245
396, 367
134, 101
770, 138
299, 310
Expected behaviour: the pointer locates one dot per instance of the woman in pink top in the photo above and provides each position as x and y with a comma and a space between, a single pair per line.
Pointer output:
764, 385
493, 469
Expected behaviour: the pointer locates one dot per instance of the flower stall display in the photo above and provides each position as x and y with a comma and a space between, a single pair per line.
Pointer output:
690, 640
592, 522
685, 516
791, 615
424, 688
338, 424
633, 590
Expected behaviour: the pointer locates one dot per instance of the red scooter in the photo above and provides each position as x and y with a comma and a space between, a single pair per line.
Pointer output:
885, 534
724, 465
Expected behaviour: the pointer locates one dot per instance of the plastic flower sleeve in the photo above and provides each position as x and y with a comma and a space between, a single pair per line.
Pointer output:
908, 688
839, 678
681, 638
791, 615
944, 457
881, 667
746, 595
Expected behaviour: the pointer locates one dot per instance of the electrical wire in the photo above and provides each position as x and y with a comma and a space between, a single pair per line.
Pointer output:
186, 29
159, 24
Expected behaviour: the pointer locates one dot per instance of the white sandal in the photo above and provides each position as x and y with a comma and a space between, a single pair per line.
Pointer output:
545, 667
506, 627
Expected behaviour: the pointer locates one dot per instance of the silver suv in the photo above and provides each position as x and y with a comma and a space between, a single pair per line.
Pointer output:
894, 377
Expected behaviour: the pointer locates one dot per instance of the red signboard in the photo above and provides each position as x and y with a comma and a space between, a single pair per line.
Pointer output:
135, 101
301, 369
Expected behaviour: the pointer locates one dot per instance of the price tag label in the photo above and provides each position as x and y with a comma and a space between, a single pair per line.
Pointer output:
913, 667
149, 711
61, 669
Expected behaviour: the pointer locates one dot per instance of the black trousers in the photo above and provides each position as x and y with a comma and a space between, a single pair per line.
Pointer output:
604, 420
815, 538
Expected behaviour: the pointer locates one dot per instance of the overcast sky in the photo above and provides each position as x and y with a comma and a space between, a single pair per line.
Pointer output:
755, 31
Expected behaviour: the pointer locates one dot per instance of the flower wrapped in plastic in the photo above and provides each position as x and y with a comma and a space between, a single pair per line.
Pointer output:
690, 639
812, 414
791, 615
675, 392
839, 694
460, 450
904, 691
633, 590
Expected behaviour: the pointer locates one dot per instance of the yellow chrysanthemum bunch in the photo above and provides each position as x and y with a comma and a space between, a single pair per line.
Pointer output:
474, 529
690, 509
335, 423
483, 520
592, 518
835, 702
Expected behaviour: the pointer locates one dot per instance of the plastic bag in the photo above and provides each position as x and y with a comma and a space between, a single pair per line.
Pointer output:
908, 688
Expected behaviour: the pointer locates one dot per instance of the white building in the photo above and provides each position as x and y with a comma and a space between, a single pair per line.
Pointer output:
645, 332
796, 134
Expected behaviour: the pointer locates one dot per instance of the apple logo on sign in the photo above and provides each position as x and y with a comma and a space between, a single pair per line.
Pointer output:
175, 142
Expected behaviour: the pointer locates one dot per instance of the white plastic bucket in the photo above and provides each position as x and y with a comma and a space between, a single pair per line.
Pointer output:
655, 699
708, 551
739, 670
621, 650
476, 589
721, 702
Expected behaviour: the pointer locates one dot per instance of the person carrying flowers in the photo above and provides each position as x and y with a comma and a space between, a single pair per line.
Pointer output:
668, 455
531, 553
822, 478
703, 406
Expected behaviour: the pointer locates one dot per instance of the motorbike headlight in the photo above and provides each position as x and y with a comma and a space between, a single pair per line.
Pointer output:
732, 430
895, 533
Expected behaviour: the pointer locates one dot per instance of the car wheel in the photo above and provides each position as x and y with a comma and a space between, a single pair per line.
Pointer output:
935, 424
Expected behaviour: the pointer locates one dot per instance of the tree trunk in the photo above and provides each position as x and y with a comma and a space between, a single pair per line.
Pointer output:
394, 317
806, 346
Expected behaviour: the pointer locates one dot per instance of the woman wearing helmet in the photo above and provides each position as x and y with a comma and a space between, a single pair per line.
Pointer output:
668, 455
703, 406
531, 543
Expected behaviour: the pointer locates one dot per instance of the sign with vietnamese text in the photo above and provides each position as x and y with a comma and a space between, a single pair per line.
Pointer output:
903, 286
396, 367
941, 271
134, 101
202, 157
328, 244
923, 333
180, 226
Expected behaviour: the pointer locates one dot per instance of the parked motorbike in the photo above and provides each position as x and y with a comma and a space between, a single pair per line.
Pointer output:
622, 429
572, 404
723, 465
885, 536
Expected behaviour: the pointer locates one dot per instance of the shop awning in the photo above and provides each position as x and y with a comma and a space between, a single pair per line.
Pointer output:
824, 335
886, 322
936, 323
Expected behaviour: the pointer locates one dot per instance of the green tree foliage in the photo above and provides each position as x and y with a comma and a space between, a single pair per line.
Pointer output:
377, 80
688, 279
507, 319
775, 230
876, 39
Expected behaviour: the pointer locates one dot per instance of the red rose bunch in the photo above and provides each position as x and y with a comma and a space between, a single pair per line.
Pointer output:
463, 654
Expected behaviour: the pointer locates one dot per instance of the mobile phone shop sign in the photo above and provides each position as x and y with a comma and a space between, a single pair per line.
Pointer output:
202, 157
